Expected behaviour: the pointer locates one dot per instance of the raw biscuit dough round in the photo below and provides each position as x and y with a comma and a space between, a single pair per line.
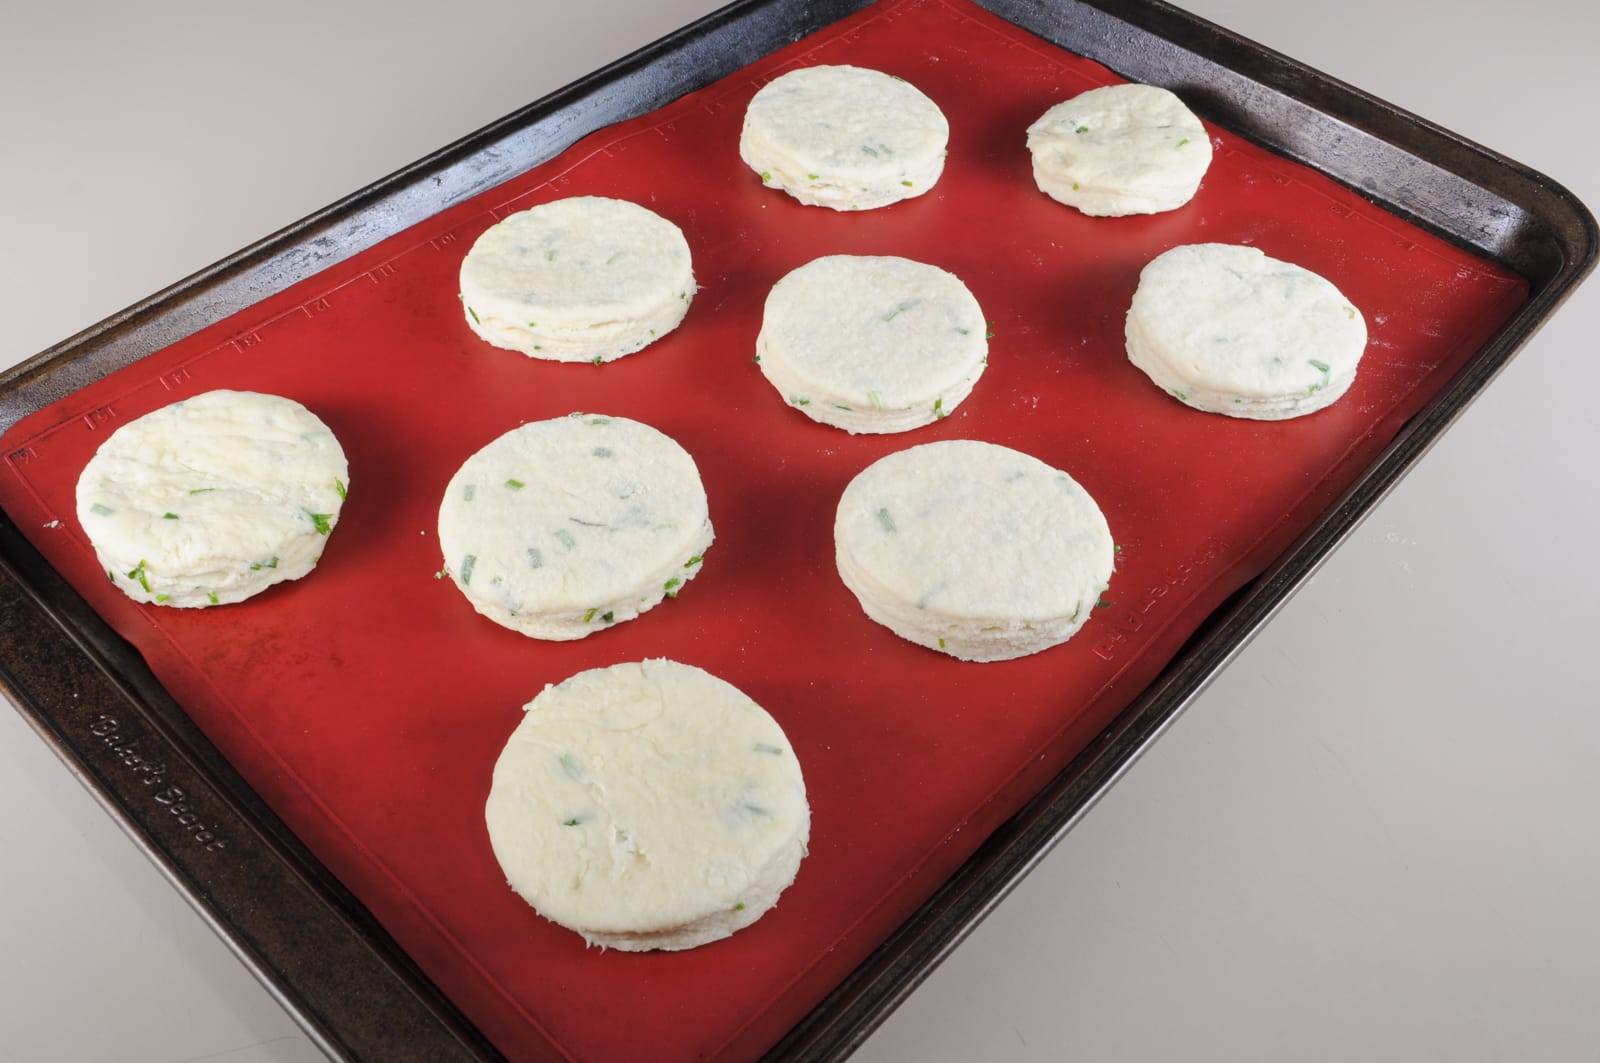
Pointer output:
648, 805
565, 527
585, 279
213, 499
972, 549
1226, 329
844, 137
1118, 150
872, 344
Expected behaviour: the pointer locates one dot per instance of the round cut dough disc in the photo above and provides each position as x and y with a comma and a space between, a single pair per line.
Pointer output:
565, 527
213, 499
844, 137
1226, 329
586, 279
648, 805
872, 344
1122, 149
973, 549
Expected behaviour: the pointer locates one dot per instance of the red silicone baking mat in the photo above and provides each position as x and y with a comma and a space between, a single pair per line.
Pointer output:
367, 703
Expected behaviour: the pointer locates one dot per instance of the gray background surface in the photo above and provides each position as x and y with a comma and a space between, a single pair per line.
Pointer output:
1374, 837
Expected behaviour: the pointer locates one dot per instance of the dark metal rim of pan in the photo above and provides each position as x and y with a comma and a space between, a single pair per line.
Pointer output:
311, 943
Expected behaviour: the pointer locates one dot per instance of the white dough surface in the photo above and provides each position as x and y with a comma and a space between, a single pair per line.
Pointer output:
1119, 150
648, 805
872, 344
569, 526
973, 549
1227, 329
844, 137
584, 279
213, 499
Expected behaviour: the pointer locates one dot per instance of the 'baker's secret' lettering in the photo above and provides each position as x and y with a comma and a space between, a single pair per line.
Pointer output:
152, 773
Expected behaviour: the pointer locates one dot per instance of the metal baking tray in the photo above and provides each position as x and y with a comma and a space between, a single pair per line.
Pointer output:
326, 957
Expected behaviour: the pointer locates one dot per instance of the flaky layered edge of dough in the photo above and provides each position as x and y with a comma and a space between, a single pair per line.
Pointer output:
602, 341
758, 898
568, 625
1109, 203
817, 187
980, 641
297, 558
844, 412
1147, 358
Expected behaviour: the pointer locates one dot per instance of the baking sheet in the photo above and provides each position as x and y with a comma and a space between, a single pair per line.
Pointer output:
367, 703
